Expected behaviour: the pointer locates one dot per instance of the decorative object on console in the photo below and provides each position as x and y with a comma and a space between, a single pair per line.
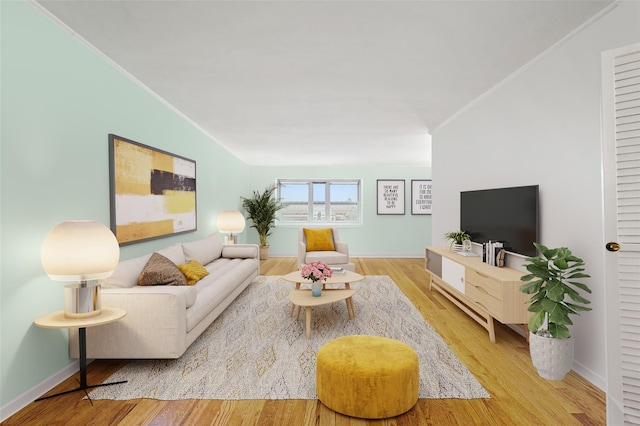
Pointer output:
390, 196
231, 222
153, 192
457, 238
421, 196
316, 272
262, 209
80, 250
552, 277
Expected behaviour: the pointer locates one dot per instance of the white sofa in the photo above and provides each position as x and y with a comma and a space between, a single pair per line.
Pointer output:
162, 321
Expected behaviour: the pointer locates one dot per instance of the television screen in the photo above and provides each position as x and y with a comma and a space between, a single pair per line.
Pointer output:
508, 215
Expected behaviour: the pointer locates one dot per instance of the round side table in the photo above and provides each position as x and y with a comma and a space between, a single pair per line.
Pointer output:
58, 320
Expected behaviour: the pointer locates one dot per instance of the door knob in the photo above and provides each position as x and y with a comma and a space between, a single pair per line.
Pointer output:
613, 246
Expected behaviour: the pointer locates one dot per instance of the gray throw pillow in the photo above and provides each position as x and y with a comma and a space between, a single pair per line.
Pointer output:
161, 271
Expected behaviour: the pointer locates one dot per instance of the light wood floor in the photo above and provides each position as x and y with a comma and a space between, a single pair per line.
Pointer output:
518, 395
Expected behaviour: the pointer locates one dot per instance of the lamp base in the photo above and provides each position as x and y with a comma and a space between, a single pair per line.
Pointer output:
230, 239
82, 300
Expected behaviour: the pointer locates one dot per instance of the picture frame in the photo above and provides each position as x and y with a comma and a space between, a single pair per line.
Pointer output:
421, 203
390, 196
152, 192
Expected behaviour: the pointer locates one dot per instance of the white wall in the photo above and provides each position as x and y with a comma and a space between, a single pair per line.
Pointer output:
542, 126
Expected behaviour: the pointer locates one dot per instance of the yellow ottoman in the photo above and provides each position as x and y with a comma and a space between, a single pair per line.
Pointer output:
367, 376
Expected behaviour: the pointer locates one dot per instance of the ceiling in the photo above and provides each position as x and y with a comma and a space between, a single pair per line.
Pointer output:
312, 82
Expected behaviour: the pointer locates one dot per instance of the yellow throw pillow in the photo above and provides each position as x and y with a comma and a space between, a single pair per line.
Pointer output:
193, 271
319, 239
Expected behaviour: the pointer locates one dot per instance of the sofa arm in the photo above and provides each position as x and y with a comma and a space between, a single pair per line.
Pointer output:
342, 247
240, 251
302, 254
155, 325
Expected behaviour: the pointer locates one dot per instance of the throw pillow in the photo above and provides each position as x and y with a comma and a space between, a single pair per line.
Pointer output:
193, 271
319, 239
161, 271
205, 250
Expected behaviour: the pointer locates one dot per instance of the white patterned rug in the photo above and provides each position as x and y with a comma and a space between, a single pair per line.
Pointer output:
254, 350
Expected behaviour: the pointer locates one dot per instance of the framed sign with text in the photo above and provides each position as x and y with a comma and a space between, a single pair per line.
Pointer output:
390, 196
420, 196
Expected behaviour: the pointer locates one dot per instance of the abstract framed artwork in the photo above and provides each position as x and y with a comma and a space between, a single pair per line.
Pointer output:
153, 192
420, 196
390, 196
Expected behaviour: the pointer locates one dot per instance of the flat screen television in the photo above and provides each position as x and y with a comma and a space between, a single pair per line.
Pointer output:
508, 215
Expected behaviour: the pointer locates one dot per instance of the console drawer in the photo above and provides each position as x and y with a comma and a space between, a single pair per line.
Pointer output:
480, 296
488, 284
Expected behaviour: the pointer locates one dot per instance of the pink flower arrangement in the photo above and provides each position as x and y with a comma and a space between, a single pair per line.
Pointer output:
316, 271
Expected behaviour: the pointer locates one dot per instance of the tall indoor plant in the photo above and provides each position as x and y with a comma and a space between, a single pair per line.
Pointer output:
261, 209
552, 284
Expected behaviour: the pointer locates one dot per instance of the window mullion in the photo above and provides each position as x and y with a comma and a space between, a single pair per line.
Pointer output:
310, 204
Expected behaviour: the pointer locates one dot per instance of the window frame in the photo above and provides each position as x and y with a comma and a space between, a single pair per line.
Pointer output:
327, 194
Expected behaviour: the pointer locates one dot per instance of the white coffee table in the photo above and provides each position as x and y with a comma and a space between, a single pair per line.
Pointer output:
304, 298
345, 278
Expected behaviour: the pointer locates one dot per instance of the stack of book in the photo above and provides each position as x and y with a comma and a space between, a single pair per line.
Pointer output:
337, 270
493, 253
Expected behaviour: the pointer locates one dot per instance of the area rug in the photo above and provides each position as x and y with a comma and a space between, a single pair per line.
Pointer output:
255, 350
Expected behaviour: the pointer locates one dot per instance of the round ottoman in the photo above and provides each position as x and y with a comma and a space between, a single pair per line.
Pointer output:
367, 376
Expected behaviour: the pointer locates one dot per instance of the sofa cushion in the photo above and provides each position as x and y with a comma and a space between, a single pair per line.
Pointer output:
328, 257
242, 251
161, 271
319, 239
225, 276
126, 274
174, 253
205, 250
193, 271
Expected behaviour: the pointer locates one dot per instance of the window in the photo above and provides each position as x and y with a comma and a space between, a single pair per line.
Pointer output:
320, 201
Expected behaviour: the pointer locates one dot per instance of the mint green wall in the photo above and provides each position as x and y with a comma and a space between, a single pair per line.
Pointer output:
380, 236
60, 100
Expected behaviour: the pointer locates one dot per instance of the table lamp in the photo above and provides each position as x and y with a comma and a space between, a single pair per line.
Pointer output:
80, 250
231, 221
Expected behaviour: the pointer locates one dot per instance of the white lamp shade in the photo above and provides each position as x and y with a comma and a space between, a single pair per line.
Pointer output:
79, 250
231, 221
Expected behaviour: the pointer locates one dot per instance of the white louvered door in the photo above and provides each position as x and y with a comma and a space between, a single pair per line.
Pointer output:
621, 145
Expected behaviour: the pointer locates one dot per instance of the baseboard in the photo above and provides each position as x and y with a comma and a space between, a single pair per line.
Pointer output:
30, 395
590, 376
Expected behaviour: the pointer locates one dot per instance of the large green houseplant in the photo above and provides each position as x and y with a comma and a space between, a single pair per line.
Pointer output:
261, 209
552, 284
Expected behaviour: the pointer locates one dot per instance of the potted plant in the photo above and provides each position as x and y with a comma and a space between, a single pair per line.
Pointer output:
552, 284
457, 238
261, 209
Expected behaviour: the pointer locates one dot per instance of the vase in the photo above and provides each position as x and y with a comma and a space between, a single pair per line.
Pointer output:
552, 357
316, 289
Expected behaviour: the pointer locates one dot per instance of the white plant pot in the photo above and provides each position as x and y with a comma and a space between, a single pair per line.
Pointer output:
457, 247
552, 357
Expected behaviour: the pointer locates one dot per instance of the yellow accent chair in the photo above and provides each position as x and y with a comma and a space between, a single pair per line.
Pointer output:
368, 377
323, 244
